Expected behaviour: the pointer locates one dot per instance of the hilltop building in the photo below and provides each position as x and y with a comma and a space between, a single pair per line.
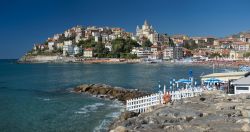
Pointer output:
147, 31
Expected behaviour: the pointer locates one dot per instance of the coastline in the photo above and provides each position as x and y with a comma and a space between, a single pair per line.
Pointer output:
229, 113
73, 60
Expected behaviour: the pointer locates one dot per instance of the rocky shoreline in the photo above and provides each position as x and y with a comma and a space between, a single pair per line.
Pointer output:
211, 112
109, 92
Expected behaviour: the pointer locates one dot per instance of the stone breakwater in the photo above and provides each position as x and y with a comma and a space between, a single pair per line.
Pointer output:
109, 92
210, 112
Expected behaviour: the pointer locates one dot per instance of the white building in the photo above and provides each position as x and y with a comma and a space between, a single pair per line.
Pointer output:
142, 53
78, 37
108, 46
245, 37
67, 33
68, 50
69, 42
51, 45
77, 50
105, 38
88, 52
168, 53
56, 37
242, 85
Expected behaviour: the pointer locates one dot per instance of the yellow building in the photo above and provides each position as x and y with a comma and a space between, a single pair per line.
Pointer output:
236, 55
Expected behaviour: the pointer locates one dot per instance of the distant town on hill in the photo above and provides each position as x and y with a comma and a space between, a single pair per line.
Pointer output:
147, 43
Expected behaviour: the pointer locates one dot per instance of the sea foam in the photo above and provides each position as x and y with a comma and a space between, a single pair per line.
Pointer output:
89, 108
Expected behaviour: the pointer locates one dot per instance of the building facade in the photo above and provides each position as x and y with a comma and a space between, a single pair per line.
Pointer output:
147, 31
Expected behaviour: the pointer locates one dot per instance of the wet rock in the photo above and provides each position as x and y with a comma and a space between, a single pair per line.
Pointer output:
106, 91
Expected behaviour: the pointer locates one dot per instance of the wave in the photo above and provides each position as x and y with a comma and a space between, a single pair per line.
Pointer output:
89, 108
113, 115
104, 124
103, 127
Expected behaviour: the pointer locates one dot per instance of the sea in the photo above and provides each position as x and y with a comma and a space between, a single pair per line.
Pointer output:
37, 97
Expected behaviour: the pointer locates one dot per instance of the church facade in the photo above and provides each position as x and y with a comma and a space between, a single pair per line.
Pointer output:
147, 31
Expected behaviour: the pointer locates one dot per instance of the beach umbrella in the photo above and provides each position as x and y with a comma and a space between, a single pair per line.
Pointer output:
212, 80
183, 81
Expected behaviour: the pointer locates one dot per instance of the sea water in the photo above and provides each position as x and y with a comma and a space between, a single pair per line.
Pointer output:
36, 97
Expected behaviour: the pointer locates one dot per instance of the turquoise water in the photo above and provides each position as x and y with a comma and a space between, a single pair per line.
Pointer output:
35, 97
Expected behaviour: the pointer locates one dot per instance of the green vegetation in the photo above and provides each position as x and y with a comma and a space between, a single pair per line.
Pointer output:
147, 43
247, 54
121, 46
89, 43
190, 44
171, 43
215, 55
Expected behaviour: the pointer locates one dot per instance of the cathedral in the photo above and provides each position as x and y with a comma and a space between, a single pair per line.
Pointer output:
148, 32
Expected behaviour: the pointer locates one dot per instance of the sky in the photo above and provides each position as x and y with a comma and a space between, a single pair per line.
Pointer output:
26, 22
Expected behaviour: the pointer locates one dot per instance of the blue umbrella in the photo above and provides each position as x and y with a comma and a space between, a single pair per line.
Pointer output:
212, 80
184, 81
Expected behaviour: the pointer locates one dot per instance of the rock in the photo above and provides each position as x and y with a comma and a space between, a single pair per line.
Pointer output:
119, 129
245, 113
84, 87
179, 128
152, 121
202, 99
245, 128
127, 114
189, 118
247, 107
109, 92
245, 120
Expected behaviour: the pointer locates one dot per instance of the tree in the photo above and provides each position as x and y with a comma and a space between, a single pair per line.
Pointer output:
215, 55
118, 46
100, 50
147, 43
129, 45
89, 43
247, 54
171, 43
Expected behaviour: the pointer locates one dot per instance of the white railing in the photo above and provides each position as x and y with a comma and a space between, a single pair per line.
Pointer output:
143, 104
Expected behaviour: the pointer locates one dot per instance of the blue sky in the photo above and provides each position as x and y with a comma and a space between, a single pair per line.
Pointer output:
25, 22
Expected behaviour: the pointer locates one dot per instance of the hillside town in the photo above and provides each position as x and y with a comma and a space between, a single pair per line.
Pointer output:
146, 44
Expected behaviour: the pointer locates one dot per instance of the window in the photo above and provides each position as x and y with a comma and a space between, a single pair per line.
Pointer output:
241, 88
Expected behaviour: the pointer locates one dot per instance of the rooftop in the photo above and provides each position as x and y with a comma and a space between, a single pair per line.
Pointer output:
243, 81
226, 74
